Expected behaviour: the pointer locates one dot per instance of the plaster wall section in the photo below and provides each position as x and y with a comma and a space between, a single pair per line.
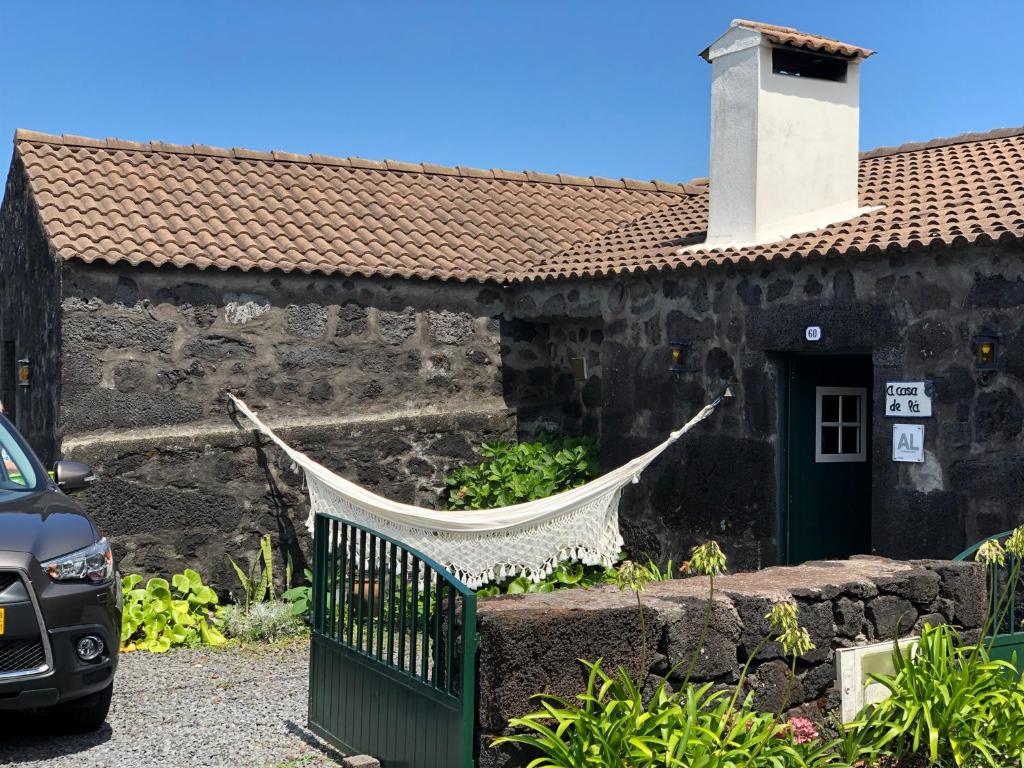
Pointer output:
734, 150
808, 139
784, 148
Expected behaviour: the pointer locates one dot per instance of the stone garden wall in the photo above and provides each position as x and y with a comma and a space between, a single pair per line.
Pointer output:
915, 314
530, 643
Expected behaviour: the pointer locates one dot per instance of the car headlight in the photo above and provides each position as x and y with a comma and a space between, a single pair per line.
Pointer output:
94, 563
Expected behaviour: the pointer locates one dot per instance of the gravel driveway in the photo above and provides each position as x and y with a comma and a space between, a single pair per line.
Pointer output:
229, 707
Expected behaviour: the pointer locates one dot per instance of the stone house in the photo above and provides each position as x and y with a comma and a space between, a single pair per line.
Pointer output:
390, 317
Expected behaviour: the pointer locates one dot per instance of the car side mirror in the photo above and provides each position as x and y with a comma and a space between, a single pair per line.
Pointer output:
72, 475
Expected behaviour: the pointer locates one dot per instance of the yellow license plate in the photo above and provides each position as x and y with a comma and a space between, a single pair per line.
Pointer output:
2, 620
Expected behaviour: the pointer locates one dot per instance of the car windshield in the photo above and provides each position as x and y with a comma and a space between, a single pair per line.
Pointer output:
16, 471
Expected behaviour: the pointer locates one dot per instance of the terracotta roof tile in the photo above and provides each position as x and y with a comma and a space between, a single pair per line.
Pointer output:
954, 191
111, 200
360, 162
117, 201
794, 38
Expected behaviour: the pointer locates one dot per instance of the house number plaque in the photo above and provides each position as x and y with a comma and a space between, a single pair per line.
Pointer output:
908, 399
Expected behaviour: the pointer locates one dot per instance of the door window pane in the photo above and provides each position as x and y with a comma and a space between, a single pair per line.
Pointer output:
840, 424
851, 440
830, 440
851, 409
830, 408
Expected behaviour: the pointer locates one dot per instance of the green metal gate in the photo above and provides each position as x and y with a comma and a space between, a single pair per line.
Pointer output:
392, 665
1007, 640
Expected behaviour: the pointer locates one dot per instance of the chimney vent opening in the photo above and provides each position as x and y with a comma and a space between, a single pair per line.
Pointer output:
788, 61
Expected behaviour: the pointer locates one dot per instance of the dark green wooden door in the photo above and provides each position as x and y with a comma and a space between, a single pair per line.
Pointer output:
827, 506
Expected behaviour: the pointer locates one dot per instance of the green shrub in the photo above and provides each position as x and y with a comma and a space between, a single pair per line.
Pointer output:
515, 472
301, 597
512, 473
611, 726
263, 622
162, 615
949, 702
566, 576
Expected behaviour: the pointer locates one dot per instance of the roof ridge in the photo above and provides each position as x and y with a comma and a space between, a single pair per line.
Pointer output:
962, 138
397, 166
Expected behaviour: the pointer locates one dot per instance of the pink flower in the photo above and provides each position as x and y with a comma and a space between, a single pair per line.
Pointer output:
803, 730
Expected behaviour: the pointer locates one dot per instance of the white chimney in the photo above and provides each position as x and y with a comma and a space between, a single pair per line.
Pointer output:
785, 112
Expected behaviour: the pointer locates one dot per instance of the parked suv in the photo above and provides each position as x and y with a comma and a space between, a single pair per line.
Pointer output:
60, 603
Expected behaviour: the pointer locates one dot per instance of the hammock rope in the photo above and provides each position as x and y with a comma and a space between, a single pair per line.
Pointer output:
481, 546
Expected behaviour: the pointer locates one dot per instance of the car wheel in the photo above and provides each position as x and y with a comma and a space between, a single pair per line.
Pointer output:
86, 714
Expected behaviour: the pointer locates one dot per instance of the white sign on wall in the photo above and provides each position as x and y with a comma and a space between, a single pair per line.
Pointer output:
813, 333
908, 443
908, 399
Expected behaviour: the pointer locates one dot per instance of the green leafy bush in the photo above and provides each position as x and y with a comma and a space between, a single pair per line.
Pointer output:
263, 622
612, 724
512, 473
162, 615
566, 576
515, 472
949, 702
301, 597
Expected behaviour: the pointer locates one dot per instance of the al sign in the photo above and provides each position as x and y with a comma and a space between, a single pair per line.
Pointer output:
908, 399
908, 442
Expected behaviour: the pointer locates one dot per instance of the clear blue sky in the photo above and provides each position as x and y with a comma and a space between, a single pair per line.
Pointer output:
581, 87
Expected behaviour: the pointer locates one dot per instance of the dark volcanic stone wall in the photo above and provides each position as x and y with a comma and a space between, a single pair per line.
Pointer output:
186, 500
915, 314
531, 643
146, 347
392, 383
29, 304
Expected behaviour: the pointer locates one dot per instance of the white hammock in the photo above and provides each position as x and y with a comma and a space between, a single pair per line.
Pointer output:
481, 546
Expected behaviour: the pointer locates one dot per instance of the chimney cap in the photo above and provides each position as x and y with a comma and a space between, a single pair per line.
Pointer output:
794, 38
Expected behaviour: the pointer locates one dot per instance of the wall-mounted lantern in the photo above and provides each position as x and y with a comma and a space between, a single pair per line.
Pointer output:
985, 351
678, 351
24, 372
